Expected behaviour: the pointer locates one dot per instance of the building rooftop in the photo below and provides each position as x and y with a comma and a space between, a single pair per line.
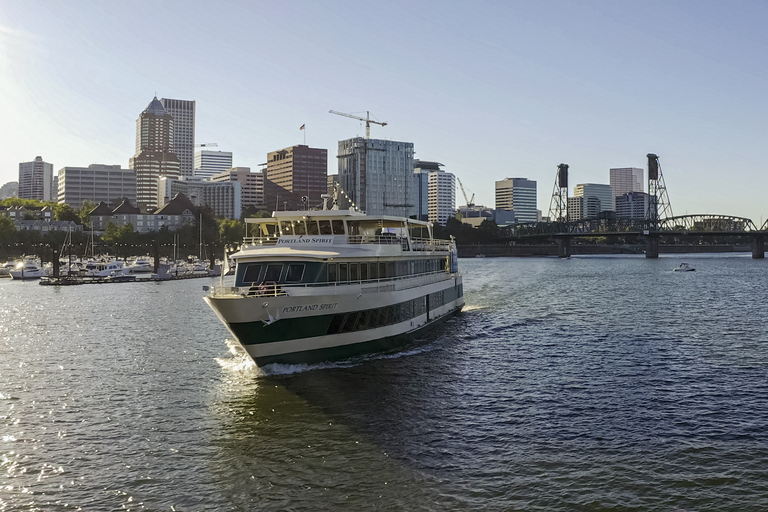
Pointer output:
155, 107
101, 209
176, 206
126, 207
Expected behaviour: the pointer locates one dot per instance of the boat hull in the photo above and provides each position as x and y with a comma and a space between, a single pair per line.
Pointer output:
333, 326
347, 351
26, 276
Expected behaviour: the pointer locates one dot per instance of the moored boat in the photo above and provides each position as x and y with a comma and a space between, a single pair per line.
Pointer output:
312, 286
27, 269
141, 266
5, 270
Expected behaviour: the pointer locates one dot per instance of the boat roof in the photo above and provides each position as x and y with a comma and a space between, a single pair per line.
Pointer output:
385, 220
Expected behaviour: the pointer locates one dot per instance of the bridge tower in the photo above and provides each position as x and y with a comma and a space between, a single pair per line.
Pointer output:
558, 206
659, 206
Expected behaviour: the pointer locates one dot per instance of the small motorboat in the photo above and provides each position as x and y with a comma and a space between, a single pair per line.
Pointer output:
684, 267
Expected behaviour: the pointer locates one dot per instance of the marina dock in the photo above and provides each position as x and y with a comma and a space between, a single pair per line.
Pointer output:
78, 280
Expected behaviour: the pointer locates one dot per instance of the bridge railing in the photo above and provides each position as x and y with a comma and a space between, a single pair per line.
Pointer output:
698, 223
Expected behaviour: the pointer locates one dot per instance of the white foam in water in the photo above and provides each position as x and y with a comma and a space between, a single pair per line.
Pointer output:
240, 362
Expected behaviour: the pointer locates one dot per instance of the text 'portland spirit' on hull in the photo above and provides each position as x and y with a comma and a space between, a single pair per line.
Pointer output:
313, 286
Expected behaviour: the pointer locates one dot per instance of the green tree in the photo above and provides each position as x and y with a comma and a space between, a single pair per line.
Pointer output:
84, 213
63, 211
231, 231
7, 230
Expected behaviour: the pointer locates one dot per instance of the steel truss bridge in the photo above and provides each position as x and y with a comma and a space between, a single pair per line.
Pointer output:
702, 225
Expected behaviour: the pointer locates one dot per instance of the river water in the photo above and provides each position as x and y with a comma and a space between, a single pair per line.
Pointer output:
593, 383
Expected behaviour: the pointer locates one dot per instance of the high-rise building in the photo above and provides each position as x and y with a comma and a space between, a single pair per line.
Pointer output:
10, 189
603, 193
625, 180
183, 113
633, 205
583, 207
421, 170
442, 196
96, 183
295, 173
36, 180
518, 194
154, 157
333, 180
210, 163
224, 197
251, 184
377, 175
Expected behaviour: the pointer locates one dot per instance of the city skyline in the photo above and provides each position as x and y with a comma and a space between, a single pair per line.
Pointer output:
490, 90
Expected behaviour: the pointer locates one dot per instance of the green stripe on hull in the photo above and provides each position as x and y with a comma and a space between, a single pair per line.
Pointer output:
251, 333
346, 351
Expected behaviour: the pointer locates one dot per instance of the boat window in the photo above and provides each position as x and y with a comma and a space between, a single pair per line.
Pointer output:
332, 272
378, 317
268, 229
391, 272
374, 270
325, 227
365, 319
322, 275
338, 227
300, 228
295, 273
382, 270
351, 322
343, 272
400, 312
353, 271
354, 228
286, 227
312, 227
390, 315
336, 322
363, 271
251, 274
273, 273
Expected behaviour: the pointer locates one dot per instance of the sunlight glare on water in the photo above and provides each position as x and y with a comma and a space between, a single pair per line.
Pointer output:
592, 383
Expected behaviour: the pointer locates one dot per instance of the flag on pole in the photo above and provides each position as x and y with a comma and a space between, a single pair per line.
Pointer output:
302, 127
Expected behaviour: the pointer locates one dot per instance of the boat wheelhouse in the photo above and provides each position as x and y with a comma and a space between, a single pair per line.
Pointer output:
312, 286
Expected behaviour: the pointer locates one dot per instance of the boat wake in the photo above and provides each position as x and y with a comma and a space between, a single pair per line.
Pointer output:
243, 365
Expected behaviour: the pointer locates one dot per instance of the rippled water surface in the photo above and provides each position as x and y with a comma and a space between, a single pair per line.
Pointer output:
594, 383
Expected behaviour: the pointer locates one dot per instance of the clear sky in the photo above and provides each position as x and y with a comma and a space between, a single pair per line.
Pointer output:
491, 89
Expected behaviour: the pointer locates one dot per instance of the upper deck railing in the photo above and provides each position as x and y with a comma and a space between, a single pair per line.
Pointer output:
408, 244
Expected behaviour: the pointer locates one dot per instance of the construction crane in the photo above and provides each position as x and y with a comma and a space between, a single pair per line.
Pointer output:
367, 120
470, 202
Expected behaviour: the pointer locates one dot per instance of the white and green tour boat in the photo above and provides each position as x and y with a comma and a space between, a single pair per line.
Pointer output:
313, 286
